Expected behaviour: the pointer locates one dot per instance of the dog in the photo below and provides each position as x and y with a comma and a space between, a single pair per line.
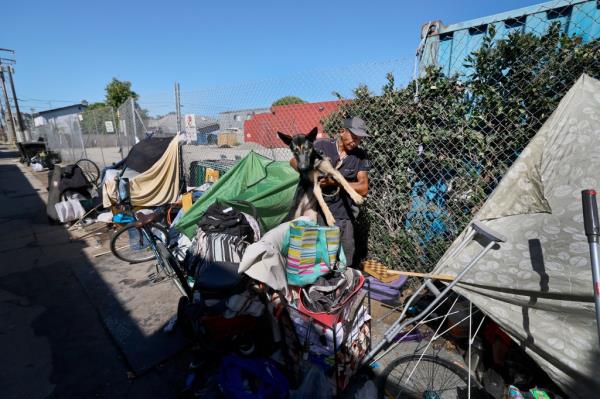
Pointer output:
312, 165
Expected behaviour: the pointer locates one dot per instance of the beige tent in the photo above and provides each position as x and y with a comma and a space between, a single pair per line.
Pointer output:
158, 185
538, 285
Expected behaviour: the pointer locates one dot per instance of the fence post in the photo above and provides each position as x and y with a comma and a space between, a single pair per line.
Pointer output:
98, 135
135, 136
76, 128
178, 108
117, 129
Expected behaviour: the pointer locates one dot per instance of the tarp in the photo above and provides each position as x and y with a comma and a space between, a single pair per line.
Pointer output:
268, 185
538, 284
158, 185
146, 153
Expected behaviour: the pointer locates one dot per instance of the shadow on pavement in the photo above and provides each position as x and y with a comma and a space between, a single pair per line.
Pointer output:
7, 153
53, 342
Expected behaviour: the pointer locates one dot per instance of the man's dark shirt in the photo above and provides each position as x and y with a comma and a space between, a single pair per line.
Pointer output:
354, 162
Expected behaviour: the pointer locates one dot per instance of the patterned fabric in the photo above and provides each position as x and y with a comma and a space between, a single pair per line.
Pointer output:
213, 247
352, 337
538, 285
224, 248
312, 251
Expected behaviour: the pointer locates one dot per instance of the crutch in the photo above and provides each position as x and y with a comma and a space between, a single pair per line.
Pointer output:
475, 229
592, 231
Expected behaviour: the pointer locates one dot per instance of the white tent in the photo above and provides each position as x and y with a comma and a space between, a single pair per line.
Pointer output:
538, 285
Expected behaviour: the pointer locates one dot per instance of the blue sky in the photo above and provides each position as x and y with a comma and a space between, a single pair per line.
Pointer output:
68, 51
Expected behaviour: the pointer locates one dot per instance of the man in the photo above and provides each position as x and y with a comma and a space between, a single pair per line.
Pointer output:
353, 164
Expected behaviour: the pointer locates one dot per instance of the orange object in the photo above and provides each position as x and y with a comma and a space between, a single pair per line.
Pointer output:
211, 176
186, 201
379, 271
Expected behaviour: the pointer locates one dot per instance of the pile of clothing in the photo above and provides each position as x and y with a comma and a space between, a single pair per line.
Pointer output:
213, 258
303, 265
70, 194
324, 298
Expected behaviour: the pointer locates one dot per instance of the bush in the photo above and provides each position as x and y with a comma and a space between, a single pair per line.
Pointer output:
440, 145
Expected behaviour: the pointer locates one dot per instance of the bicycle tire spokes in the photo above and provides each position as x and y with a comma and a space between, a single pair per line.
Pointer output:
134, 245
427, 377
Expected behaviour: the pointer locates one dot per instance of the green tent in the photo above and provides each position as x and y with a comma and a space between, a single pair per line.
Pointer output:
268, 185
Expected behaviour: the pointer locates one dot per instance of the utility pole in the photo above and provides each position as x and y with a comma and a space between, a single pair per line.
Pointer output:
178, 108
16, 101
10, 123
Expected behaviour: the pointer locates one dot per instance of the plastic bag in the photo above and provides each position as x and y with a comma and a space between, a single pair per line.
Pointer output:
69, 210
314, 386
37, 167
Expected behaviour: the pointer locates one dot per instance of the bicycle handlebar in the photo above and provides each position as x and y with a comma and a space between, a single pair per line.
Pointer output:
590, 215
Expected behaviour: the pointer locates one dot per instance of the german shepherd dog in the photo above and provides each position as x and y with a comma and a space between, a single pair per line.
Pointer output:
312, 165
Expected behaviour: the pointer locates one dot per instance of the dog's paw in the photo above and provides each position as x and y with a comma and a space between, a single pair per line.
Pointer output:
357, 198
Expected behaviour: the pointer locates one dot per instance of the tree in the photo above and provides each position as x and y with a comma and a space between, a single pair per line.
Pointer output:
288, 100
117, 92
95, 105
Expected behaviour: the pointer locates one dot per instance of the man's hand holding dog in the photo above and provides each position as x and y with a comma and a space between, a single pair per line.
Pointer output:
327, 181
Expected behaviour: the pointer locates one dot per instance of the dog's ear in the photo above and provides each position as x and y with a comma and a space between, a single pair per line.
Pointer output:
285, 138
312, 136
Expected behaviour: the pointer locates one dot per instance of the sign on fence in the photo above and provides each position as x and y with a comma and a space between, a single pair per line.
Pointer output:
109, 127
190, 128
190, 121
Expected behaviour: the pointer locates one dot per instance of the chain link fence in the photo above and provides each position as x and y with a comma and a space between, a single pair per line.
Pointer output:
229, 122
62, 135
444, 129
104, 135
101, 136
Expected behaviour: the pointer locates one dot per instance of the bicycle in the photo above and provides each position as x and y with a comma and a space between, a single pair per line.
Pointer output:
427, 374
144, 239
90, 170
423, 375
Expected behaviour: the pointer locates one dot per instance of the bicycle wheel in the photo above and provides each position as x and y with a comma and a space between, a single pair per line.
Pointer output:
130, 245
427, 377
90, 170
172, 269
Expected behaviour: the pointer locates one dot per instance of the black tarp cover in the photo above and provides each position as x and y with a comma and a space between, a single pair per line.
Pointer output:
145, 153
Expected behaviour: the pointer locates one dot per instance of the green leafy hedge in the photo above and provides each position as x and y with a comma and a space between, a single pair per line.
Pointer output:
447, 140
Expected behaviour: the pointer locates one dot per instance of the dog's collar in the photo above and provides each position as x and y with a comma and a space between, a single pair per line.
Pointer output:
336, 192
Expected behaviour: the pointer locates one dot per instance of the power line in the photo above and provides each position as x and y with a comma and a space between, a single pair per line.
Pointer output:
45, 101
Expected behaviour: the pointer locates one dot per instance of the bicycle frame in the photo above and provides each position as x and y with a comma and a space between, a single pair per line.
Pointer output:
165, 263
390, 339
